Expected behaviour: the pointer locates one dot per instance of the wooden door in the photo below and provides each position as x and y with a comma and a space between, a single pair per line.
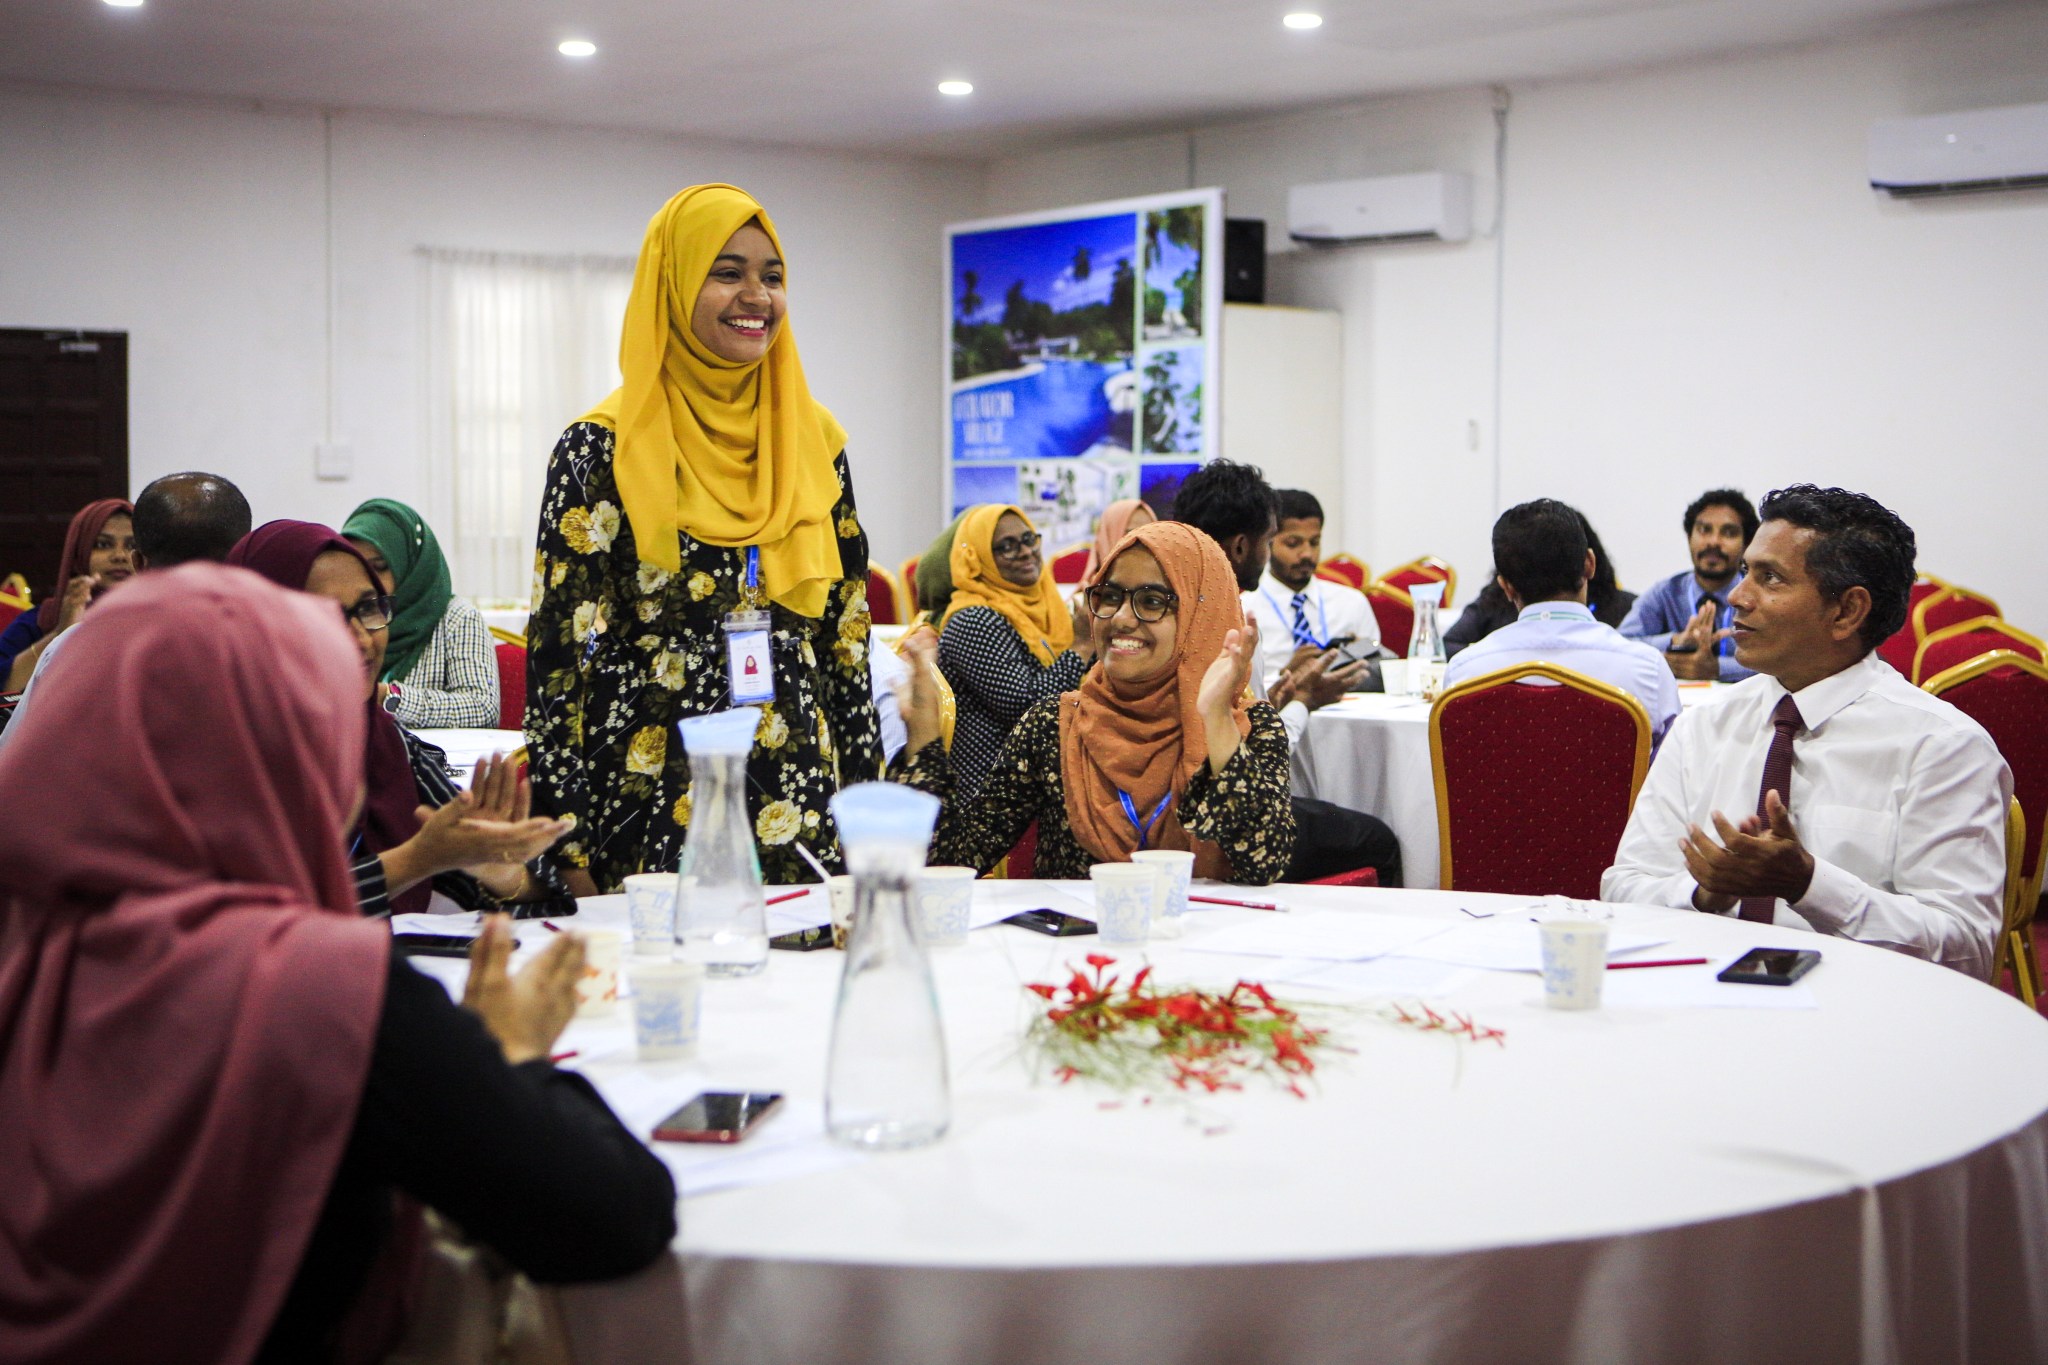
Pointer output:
63, 439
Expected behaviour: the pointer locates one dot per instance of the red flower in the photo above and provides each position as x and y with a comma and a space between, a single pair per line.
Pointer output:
1101, 960
1042, 991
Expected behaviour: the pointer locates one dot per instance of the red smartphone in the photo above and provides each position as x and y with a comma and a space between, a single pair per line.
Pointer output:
716, 1116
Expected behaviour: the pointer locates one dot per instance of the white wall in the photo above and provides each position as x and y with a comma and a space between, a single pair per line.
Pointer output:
1698, 288
200, 229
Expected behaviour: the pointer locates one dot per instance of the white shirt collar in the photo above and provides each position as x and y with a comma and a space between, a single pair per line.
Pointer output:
1576, 610
1281, 590
1820, 700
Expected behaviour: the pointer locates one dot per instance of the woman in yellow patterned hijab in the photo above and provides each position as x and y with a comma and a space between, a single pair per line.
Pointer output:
718, 435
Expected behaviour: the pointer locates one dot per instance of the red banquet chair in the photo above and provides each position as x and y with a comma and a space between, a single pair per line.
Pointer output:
2007, 694
511, 685
1069, 564
1428, 569
1951, 606
908, 576
1394, 609
1958, 644
1897, 650
1345, 569
1537, 768
887, 603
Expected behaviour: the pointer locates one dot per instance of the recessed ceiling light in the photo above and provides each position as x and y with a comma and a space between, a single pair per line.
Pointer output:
1303, 20
577, 47
956, 88
125, 4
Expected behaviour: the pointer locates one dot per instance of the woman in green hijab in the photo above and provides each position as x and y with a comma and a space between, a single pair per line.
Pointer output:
440, 670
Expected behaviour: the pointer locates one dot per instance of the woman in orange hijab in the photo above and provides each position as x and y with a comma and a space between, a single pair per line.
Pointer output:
1161, 746
709, 483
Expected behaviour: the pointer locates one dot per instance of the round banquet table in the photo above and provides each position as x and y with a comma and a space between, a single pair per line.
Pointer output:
1370, 752
1862, 1179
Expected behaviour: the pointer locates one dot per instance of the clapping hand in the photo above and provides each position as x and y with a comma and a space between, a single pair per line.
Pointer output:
918, 698
527, 1012
1222, 685
1759, 857
1704, 660
77, 597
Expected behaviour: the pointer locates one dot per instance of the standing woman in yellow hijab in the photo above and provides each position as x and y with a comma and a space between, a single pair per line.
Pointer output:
709, 483
1006, 639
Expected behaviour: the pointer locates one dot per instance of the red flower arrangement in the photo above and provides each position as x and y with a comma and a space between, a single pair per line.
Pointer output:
1202, 1041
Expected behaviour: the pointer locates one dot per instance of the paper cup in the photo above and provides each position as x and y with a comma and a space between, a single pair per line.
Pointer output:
651, 906
668, 1001
1394, 676
841, 889
944, 897
1574, 962
597, 990
1176, 869
1124, 894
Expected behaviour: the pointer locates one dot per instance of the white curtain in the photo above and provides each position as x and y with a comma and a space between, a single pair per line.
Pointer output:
517, 347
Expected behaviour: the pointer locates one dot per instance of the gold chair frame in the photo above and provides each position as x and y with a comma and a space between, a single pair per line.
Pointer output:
1949, 592
1430, 564
1997, 623
897, 593
1501, 677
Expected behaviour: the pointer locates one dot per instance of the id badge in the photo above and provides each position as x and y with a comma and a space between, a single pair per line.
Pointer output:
749, 667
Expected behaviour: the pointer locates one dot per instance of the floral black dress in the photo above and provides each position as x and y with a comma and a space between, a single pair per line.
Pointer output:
618, 651
1245, 810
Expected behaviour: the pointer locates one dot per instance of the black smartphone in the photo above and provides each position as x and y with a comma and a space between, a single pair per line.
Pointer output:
1056, 923
1770, 966
803, 940
548, 907
716, 1116
438, 945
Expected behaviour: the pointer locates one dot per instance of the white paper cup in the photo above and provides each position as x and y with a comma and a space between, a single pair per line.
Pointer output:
651, 907
1124, 895
668, 1001
1394, 677
945, 895
597, 990
1176, 869
1574, 962
840, 888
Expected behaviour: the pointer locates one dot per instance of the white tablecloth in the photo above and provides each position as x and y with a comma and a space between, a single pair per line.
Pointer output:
1370, 752
506, 618
1867, 1179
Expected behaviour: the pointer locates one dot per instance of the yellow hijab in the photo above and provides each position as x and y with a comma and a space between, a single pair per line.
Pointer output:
732, 453
1036, 612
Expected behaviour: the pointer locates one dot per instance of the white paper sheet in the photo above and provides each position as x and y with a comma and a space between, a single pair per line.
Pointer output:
1513, 945
470, 923
1330, 935
805, 912
1694, 988
995, 901
1402, 976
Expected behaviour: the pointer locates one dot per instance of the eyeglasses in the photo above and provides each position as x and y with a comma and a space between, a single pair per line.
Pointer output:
1011, 546
372, 613
1149, 603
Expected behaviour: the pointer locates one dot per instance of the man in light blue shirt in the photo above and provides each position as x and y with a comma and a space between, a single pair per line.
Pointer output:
1543, 563
1687, 615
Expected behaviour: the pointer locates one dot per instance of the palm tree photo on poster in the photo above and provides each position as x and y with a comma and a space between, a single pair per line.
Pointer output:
1079, 348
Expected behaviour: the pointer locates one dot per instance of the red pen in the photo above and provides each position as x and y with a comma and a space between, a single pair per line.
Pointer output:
1242, 905
1667, 962
551, 926
788, 896
564, 1056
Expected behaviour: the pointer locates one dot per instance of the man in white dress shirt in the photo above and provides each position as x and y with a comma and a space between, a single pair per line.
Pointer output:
1543, 563
1827, 793
1299, 614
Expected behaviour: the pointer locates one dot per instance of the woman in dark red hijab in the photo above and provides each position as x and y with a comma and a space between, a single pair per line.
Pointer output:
99, 551
203, 1045
418, 834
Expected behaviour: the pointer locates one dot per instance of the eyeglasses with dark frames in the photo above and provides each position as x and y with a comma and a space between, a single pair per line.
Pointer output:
1009, 547
371, 613
1149, 601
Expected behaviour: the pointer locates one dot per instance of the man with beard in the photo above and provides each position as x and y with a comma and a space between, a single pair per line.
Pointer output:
1687, 615
1299, 614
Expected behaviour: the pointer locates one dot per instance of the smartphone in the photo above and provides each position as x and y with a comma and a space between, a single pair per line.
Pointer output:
1770, 966
438, 945
1056, 923
803, 940
716, 1116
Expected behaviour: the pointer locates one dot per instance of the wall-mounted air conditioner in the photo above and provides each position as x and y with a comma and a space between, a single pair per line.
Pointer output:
1965, 153
1431, 206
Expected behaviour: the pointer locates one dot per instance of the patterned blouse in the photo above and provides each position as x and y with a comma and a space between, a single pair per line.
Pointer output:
1246, 810
454, 682
618, 651
995, 679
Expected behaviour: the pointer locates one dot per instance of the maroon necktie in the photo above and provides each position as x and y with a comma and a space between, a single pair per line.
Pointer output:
1786, 723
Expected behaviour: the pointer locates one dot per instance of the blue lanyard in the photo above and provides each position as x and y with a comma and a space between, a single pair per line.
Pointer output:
1287, 617
753, 568
1144, 827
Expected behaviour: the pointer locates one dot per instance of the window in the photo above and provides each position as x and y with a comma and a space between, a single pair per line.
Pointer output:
517, 348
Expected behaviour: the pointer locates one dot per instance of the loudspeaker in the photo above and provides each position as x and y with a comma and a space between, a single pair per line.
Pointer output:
1244, 260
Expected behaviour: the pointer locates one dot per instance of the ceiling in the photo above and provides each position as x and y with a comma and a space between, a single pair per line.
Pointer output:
862, 74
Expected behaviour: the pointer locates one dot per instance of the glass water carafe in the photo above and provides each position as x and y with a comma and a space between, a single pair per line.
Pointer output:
886, 1084
721, 917
1426, 655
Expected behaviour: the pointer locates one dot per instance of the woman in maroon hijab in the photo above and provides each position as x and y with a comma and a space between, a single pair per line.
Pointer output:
99, 551
418, 834
213, 1072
